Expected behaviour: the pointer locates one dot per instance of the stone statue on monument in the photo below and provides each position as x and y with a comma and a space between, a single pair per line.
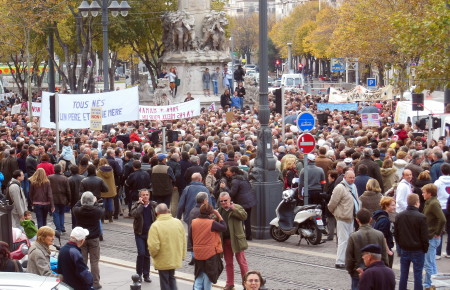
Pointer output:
179, 33
213, 27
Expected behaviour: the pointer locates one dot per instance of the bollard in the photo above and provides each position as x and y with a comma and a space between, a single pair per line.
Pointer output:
135, 285
6, 222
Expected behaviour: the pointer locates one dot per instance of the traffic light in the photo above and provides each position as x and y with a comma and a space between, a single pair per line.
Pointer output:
277, 64
300, 67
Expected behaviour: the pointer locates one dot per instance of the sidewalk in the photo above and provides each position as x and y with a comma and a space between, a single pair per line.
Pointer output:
116, 274
119, 278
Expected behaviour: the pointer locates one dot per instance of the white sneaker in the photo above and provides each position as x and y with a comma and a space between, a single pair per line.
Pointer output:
446, 255
438, 257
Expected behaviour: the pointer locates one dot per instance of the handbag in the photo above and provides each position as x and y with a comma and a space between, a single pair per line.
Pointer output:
177, 81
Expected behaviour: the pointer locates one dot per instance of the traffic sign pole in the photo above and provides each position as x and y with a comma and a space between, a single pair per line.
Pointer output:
306, 144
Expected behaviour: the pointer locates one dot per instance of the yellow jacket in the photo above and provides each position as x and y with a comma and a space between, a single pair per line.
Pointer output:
167, 242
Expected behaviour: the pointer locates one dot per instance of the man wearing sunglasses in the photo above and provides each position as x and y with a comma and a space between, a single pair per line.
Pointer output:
233, 239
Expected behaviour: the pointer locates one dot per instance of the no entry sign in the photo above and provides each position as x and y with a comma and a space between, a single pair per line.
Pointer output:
306, 143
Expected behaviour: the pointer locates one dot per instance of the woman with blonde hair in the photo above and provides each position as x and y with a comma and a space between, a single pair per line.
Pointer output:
41, 196
289, 170
105, 172
388, 174
383, 223
39, 253
370, 199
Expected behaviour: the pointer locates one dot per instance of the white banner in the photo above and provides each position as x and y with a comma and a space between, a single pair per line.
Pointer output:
16, 109
172, 112
75, 110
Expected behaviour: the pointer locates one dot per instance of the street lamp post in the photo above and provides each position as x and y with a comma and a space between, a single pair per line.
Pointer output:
266, 185
289, 44
95, 8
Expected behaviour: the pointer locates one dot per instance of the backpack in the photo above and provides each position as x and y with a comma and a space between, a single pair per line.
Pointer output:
7, 197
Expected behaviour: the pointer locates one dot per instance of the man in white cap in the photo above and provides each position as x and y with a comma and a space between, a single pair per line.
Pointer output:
70, 261
316, 181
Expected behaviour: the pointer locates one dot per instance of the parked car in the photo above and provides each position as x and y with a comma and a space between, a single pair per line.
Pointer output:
14, 281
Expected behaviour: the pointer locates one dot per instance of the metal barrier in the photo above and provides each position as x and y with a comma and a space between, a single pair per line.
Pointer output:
6, 224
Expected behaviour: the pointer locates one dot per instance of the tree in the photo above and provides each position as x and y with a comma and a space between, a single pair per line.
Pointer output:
144, 32
282, 32
244, 30
421, 33
351, 38
318, 41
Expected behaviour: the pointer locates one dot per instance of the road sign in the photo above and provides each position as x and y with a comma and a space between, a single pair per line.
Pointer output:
306, 121
338, 64
306, 143
371, 82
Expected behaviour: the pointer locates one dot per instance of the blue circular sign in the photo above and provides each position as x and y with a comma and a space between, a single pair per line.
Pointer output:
306, 121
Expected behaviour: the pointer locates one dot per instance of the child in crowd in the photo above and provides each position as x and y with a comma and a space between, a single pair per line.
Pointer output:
29, 226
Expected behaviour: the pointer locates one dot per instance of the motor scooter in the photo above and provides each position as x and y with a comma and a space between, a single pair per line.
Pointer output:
305, 221
20, 245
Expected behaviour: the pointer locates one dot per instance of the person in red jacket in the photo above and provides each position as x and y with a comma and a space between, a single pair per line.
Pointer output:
134, 136
46, 165
401, 133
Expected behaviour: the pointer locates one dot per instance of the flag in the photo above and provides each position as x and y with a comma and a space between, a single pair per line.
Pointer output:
212, 107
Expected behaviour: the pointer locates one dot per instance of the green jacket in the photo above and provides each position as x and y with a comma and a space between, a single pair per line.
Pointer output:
167, 242
30, 228
435, 217
235, 219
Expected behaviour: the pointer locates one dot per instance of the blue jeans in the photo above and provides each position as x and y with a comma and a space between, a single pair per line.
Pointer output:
417, 258
58, 217
215, 87
41, 212
108, 203
430, 261
447, 228
202, 282
143, 257
355, 282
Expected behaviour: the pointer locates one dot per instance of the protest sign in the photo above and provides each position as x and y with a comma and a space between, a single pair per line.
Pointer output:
370, 119
75, 110
16, 109
339, 107
36, 109
172, 112
96, 118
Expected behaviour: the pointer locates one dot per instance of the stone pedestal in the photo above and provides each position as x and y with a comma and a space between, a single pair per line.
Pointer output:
190, 66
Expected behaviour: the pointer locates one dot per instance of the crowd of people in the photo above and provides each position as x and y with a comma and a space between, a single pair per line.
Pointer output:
369, 180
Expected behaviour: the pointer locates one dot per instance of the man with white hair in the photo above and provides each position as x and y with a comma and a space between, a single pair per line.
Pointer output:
70, 261
88, 214
344, 205
167, 246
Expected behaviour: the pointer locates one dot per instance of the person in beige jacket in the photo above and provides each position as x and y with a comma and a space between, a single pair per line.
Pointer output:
344, 204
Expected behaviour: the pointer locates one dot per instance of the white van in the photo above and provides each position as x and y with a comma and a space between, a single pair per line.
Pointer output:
294, 81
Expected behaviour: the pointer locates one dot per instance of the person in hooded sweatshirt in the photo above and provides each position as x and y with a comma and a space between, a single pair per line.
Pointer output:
443, 195
384, 225
67, 153
105, 172
388, 174
400, 163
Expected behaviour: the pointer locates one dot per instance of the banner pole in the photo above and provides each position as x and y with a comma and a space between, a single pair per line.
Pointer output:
57, 120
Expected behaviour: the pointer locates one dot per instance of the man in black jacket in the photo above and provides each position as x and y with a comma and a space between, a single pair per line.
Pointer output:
117, 170
93, 183
88, 214
74, 185
373, 167
144, 215
411, 235
32, 160
137, 180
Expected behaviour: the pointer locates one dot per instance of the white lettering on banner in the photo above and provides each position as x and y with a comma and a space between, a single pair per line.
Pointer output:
75, 109
172, 112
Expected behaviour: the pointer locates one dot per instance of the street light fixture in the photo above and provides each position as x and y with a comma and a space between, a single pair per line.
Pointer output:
95, 8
